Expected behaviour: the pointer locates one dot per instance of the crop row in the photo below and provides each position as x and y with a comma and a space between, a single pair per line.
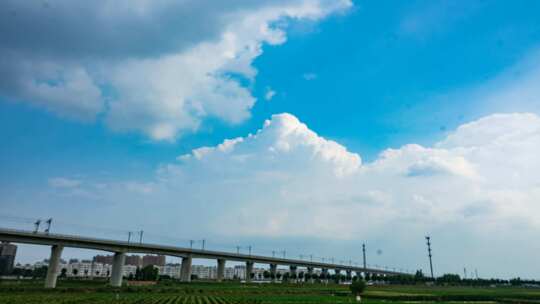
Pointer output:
111, 298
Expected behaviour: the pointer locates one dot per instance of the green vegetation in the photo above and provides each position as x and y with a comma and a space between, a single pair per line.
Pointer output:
96, 292
357, 287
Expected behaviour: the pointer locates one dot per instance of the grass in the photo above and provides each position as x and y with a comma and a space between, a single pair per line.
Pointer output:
96, 292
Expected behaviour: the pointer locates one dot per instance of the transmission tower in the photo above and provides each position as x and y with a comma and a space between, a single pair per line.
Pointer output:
428, 239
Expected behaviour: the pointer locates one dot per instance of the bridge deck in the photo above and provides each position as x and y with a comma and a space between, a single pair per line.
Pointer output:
25, 237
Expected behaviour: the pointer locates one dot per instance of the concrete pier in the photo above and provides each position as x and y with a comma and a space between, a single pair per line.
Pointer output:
310, 273
220, 269
324, 272
54, 263
185, 275
117, 274
249, 270
273, 272
294, 275
337, 272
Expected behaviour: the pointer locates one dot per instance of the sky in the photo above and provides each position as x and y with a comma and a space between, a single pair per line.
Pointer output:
310, 126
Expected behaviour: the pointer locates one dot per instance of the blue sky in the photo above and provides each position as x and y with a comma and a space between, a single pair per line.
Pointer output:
367, 75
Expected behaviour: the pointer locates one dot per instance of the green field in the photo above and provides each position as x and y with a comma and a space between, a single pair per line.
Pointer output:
223, 293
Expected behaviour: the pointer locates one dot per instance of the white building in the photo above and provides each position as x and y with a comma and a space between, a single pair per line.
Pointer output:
171, 270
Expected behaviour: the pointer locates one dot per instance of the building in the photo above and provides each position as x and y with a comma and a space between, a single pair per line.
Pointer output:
104, 259
156, 260
204, 272
7, 258
129, 270
87, 269
171, 270
133, 260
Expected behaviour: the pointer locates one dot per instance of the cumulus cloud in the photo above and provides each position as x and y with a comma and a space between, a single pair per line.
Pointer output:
285, 177
480, 183
164, 68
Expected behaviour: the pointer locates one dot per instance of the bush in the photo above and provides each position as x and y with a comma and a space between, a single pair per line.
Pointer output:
357, 287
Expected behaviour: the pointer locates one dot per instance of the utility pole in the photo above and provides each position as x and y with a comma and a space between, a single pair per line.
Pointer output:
140, 236
37, 223
464, 272
203, 244
476, 273
249, 249
273, 253
49, 222
129, 236
428, 239
237, 249
364, 254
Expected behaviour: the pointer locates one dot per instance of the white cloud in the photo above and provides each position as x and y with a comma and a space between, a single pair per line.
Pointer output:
269, 94
309, 76
480, 184
62, 182
285, 177
183, 65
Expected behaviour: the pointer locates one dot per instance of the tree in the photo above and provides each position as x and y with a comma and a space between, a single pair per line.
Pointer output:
63, 273
40, 272
419, 276
148, 273
278, 275
266, 274
357, 287
293, 276
75, 271
449, 278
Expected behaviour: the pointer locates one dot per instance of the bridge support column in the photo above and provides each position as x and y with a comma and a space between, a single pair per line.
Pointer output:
54, 263
220, 269
338, 275
117, 274
185, 275
349, 275
249, 270
324, 274
273, 272
310, 273
294, 275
